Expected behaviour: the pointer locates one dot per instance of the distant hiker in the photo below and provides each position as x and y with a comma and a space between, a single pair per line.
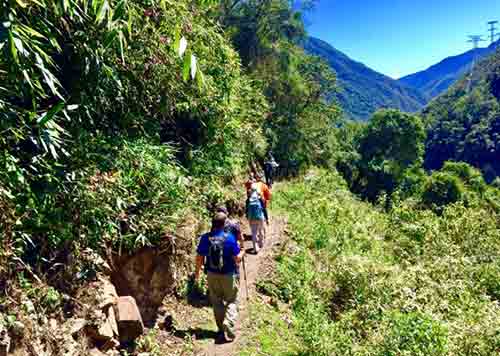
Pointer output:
269, 166
232, 225
256, 213
263, 189
219, 252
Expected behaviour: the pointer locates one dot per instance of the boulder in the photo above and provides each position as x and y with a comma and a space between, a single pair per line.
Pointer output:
107, 294
99, 327
105, 331
74, 326
112, 321
96, 352
128, 318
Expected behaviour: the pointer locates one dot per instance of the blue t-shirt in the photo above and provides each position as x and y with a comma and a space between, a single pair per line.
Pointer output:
231, 249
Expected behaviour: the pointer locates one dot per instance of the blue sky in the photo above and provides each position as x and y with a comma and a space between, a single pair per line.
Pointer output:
399, 37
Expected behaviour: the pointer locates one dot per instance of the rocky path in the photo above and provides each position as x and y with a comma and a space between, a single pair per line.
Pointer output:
253, 264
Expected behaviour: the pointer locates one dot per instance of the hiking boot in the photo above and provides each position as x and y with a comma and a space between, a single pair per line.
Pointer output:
229, 333
220, 338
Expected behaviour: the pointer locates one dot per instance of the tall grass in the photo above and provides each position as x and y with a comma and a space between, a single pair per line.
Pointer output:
360, 281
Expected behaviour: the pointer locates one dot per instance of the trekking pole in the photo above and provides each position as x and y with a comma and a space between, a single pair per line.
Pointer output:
246, 279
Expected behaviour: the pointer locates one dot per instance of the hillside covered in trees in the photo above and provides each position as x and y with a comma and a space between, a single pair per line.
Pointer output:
464, 123
360, 90
436, 79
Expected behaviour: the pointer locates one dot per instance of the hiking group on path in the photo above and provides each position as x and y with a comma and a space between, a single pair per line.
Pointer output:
221, 252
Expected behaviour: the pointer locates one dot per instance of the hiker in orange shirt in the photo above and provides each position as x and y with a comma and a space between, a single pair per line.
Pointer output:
264, 190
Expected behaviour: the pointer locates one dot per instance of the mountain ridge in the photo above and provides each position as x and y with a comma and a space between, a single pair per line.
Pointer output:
438, 78
362, 90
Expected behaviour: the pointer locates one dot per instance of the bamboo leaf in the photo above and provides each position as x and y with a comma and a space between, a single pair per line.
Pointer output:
19, 45
102, 12
51, 81
30, 31
49, 115
96, 4
200, 79
110, 38
177, 40
39, 3
185, 67
121, 40
13, 49
129, 23
21, 3
27, 78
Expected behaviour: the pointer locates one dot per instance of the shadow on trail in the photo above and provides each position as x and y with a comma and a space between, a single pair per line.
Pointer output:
195, 296
197, 333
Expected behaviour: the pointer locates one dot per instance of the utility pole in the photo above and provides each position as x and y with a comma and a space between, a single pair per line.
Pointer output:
475, 40
493, 30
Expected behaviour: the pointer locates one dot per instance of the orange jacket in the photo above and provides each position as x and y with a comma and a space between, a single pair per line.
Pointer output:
264, 191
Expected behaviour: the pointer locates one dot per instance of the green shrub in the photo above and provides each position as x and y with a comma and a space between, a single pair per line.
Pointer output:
414, 334
469, 175
442, 189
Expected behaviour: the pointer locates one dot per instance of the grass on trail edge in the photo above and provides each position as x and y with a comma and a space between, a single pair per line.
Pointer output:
355, 280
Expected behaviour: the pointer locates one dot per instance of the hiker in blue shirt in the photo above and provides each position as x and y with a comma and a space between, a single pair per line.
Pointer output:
220, 253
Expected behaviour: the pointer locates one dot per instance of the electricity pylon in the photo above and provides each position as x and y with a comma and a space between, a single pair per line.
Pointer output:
493, 30
475, 40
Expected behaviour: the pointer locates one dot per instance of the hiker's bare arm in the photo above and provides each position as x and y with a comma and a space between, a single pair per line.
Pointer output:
239, 256
199, 264
240, 239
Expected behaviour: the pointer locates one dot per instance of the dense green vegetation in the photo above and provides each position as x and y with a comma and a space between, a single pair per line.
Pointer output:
121, 119
464, 123
361, 281
101, 104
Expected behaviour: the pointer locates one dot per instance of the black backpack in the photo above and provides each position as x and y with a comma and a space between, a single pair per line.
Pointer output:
215, 258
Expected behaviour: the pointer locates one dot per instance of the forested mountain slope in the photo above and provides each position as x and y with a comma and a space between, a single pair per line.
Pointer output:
436, 79
464, 123
361, 90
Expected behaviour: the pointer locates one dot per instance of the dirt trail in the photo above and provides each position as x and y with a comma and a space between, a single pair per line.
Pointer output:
253, 263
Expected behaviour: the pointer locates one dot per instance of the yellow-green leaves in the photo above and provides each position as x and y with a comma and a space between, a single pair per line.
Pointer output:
102, 11
13, 49
186, 66
21, 3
